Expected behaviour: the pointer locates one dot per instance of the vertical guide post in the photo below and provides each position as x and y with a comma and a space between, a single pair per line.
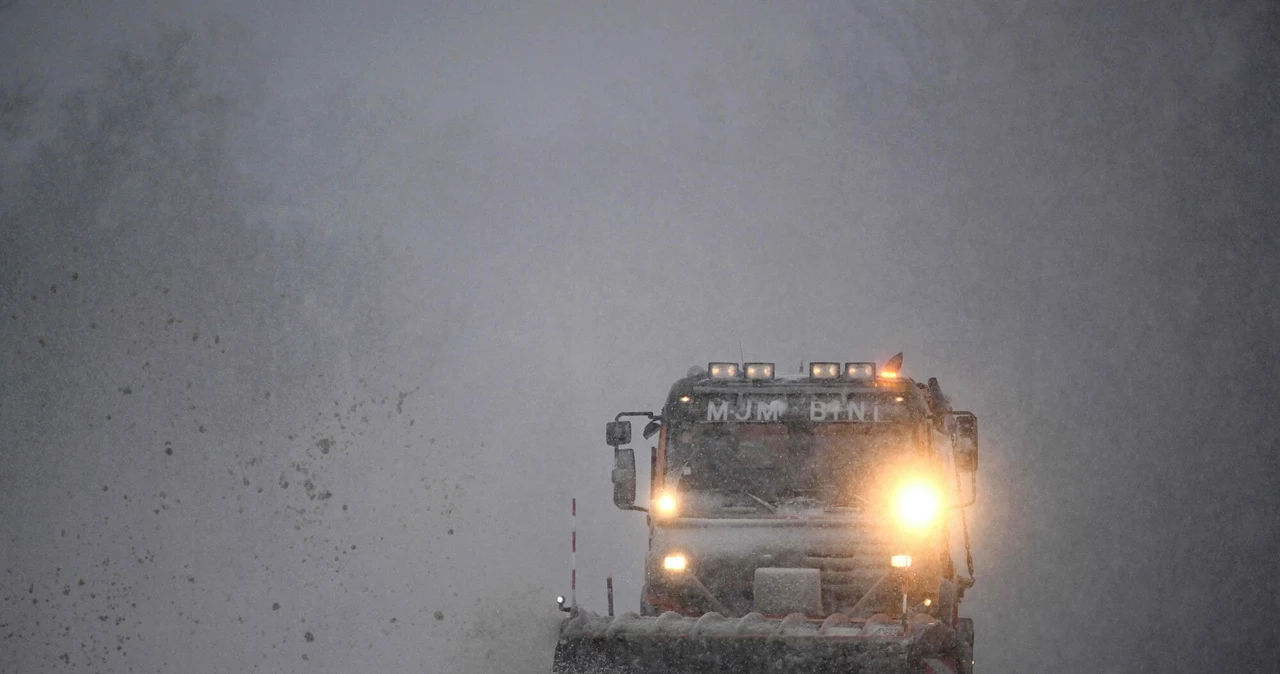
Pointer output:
608, 583
573, 558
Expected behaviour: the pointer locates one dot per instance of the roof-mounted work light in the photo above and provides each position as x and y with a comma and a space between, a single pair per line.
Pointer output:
824, 370
723, 370
860, 371
758, 370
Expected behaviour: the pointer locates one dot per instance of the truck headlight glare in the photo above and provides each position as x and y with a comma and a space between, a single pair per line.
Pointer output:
917, 506
666, 505
676, 563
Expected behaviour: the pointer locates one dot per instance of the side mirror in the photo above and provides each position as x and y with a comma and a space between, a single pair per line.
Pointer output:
651, 429
966, 443
624, 478
618, 433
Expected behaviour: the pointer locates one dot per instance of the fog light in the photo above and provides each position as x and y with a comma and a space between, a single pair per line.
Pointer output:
675, 563
900, 561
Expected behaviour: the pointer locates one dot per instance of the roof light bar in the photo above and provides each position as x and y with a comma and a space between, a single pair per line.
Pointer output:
724, 370
758, 370
824, 370
859, 370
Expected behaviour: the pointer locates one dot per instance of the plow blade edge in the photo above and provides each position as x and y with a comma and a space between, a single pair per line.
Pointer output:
591, 644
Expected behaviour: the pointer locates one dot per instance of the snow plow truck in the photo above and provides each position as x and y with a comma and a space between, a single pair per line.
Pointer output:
797, 523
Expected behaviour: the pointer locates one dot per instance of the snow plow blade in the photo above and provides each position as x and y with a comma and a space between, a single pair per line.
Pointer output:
592, 644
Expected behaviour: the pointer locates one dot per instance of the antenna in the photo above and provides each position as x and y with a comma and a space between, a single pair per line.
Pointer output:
741, 358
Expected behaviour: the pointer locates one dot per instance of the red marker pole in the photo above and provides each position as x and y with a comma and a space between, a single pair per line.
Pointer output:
608, 583
573, 558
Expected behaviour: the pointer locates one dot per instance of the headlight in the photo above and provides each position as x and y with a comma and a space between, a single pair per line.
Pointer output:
676, 563
666, 505
918, 506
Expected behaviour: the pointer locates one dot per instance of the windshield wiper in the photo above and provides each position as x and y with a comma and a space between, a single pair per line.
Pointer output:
768, 506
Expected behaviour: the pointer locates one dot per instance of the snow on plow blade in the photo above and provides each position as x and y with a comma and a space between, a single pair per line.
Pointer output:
592, 644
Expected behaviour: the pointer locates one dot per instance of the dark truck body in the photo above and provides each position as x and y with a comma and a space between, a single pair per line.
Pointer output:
774, 534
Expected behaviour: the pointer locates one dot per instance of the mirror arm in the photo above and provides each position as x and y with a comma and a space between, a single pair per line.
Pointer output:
973, 489
635, 508
651, 415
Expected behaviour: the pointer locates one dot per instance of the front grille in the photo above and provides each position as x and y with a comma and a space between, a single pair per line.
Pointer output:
849, 569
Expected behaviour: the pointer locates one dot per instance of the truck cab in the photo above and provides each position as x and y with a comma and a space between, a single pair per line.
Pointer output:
837, 490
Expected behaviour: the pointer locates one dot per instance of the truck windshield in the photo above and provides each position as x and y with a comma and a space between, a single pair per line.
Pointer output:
829, 464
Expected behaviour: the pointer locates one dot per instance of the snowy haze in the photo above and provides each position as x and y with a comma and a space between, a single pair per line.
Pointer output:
313, 315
